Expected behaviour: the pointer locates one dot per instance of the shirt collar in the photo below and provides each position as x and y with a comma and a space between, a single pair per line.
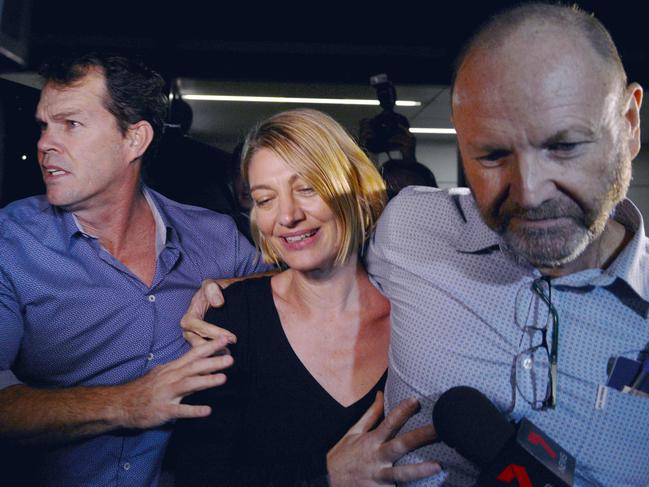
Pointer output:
475, 237
160, 226
162, 230
632, 263
626, 277
630, 266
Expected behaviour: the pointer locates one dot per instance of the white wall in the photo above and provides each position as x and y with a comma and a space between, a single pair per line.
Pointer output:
441, 157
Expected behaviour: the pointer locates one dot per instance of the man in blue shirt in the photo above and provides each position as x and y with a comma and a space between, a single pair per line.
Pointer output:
94, 278
529, 285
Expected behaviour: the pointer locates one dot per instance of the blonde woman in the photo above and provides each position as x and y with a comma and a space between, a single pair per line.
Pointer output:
312, 341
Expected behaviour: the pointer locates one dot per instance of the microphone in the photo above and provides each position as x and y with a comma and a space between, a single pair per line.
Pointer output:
506, 455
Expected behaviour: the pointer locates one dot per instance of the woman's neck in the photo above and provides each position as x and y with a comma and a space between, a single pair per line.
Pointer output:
336, 289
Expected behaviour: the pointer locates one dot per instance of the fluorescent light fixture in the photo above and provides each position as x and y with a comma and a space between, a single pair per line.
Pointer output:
417, 130
288, 99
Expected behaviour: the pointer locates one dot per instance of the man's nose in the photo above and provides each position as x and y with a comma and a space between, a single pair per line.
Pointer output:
531, 180
46, 141
291, 212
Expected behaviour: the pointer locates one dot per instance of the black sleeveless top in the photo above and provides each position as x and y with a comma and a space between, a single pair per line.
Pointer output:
271, 423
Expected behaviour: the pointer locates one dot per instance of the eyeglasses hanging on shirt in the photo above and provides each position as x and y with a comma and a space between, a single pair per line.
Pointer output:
536, 367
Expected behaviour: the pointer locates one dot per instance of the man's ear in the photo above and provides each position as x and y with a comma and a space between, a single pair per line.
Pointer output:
139, 137
632, 103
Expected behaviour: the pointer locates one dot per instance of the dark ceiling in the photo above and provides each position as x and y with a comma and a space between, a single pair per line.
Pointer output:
310, 41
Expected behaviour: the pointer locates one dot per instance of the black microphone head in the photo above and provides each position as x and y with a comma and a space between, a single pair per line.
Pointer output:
469, 422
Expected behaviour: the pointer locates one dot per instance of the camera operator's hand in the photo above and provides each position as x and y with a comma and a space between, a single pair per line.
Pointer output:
405, 142
402, 140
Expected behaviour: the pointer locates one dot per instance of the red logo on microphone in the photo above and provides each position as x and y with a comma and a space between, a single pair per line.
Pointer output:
515, 472
536, 439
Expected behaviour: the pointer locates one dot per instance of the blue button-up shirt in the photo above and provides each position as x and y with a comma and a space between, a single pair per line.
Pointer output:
460, 307
73, 315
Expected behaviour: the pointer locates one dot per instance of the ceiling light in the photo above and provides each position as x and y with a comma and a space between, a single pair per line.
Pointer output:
287, 99
417, 130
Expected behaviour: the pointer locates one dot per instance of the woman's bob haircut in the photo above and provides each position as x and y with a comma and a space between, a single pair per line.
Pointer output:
320, 151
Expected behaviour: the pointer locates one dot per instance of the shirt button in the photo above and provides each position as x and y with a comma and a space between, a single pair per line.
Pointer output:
149, 356
527, 363
126, 466
151, 298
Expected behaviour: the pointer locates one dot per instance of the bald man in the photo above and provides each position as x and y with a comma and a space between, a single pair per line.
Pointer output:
526, 286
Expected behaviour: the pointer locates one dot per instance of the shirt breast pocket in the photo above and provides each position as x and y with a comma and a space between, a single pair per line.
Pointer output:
615, 450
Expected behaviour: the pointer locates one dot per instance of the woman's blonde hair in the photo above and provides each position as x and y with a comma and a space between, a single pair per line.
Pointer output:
320, 151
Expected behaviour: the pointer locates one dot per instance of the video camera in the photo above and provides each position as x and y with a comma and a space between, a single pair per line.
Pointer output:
387, 123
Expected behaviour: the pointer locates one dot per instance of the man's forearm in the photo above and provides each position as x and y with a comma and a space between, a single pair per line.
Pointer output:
44, 415
57, 415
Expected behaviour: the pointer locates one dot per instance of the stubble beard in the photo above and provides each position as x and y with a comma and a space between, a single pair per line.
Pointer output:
559, 244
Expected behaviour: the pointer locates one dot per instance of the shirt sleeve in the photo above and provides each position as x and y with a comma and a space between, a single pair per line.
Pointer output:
11, 331
377, 260
248, 259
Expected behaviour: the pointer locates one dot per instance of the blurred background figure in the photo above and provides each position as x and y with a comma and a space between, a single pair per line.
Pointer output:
389, 133
240, 192
189, 171
398, 174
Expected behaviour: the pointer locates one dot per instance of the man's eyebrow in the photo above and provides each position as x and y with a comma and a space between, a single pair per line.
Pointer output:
66, 114
570, 134
61, 115
489, 148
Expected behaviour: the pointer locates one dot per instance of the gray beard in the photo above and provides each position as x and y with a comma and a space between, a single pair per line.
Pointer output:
556, 247
547, 249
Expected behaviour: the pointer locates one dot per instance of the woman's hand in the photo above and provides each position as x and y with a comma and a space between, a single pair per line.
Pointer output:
366, 458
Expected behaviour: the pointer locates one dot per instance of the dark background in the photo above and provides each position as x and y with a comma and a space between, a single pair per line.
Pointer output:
307, 41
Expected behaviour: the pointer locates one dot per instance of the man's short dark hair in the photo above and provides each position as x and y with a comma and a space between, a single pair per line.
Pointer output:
134, 91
